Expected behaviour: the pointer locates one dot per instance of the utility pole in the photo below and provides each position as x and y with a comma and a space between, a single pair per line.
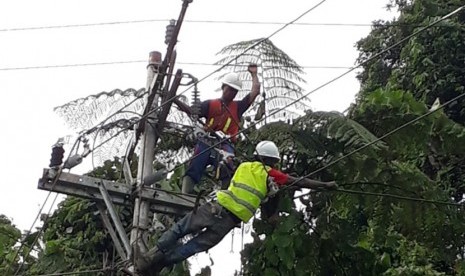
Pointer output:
153, 125
146, 158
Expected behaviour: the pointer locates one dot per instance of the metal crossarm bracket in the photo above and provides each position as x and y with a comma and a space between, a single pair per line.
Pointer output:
116, 221
160, 201
127, 172
112, 232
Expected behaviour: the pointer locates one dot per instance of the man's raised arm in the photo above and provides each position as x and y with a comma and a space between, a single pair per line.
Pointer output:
255, 83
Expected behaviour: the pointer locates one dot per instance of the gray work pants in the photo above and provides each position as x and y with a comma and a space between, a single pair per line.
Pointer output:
211, 222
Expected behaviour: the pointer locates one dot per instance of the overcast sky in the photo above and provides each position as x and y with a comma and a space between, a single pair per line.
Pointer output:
29, 124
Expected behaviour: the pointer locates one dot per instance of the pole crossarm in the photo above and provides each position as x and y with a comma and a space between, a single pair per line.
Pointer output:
120, 193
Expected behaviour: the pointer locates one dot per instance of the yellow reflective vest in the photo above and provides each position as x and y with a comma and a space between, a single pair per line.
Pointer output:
247, 190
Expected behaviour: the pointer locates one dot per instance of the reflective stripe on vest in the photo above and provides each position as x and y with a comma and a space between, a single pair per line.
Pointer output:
247, 190
224, 119
226, 126
210, 123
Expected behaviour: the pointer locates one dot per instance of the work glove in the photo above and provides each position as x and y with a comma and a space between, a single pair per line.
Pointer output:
252, 68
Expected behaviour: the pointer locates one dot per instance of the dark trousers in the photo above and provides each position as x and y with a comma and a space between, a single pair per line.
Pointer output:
210, 223
202, 159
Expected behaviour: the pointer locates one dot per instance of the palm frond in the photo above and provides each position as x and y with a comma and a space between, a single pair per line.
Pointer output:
337, 127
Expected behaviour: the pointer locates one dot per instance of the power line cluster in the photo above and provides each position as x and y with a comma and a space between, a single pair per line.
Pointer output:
145, 116
318, 88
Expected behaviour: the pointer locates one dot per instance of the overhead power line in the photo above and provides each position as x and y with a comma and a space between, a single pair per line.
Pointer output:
89, 272
317, 88
70, 65
317, 24
402, 126
377, 55
311, 24
417, 199
142, 61
222, 66
406, 198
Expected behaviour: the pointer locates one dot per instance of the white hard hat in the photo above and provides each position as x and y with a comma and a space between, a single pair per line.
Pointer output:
267, 149
232, 79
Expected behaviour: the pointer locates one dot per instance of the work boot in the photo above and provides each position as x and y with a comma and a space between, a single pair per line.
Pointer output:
147, 260
187, 185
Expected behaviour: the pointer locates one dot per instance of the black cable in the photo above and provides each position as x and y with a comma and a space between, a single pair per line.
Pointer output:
223, 66
70, 65
398, 197
366, 61
13, 238
144, 61
40, 210
36, 238
73, 273
251, 47
379, 139
377, 184
333, 80
316, 24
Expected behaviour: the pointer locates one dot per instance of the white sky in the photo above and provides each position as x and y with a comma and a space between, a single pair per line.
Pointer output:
28, 96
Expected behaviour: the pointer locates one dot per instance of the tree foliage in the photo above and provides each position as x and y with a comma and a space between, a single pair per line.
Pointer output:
9, 237
74, 236
357, 230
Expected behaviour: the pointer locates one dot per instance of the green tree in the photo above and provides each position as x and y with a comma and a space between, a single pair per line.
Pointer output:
429, 65
9, 237
74, 236
18, 250
353, 232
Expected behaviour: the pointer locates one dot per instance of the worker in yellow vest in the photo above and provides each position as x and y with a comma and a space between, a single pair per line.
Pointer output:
249, 187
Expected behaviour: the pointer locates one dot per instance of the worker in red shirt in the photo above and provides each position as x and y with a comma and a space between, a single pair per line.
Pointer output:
223, 114
249, 187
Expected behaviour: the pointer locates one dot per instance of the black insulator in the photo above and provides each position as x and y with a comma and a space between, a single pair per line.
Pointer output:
170, 31
195, 102
58, 153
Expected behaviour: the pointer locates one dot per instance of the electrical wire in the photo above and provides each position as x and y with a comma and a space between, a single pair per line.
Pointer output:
398, 197
40, 210
378, 184
56, 178
13, 238
144, 61
353, 68
41, 229
70, 65
251, 47
384, 136
316, 24
380, 138
400, 127
416, 199
74, 273
222, 66
333, 80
